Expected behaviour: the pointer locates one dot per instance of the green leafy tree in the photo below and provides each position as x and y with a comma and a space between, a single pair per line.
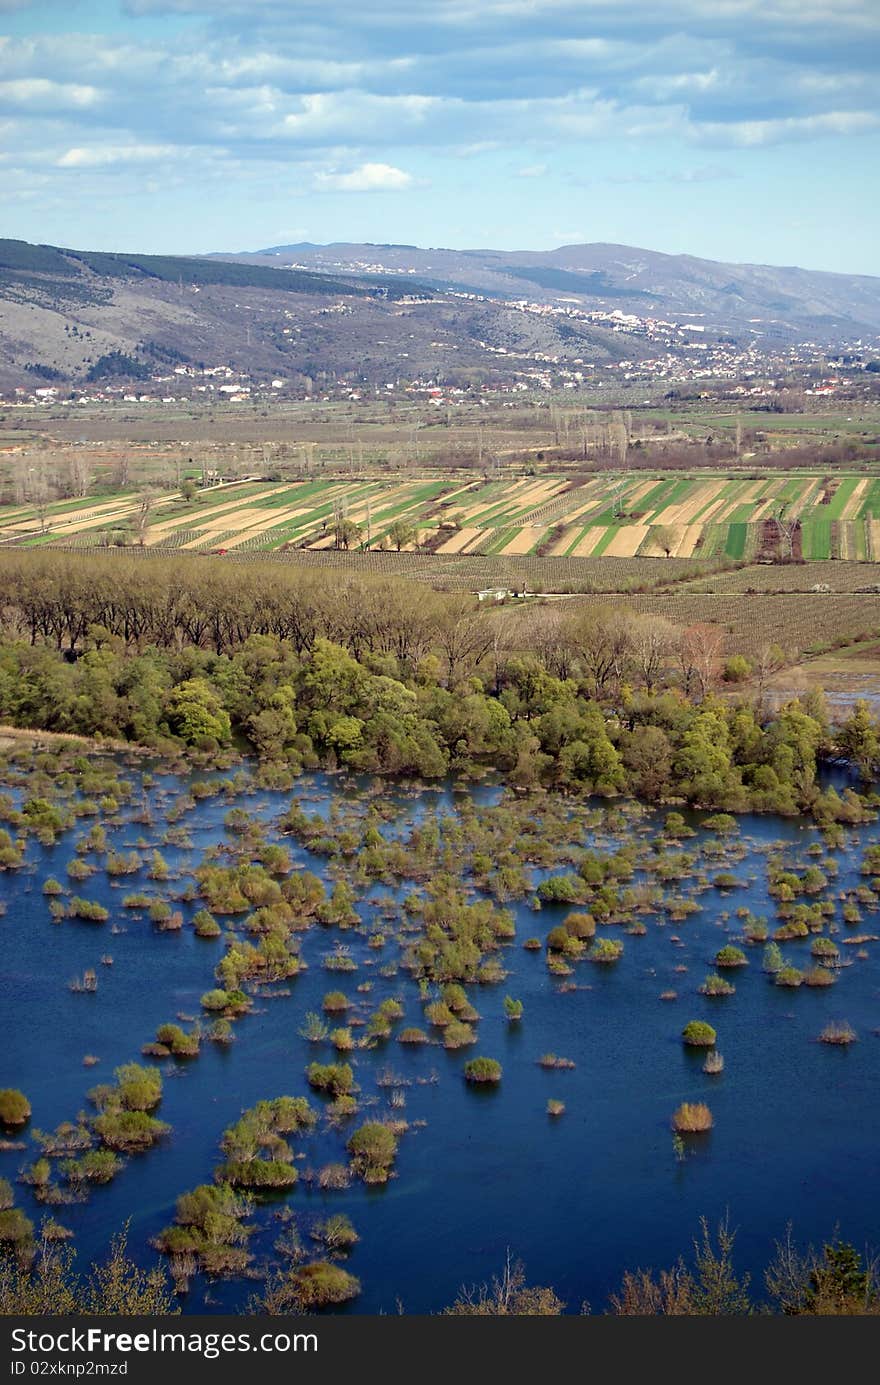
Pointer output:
195, 713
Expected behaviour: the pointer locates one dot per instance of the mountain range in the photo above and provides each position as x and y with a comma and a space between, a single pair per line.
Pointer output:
380, 313
724, 297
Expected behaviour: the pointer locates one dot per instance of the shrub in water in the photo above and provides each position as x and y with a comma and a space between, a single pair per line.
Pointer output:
257, 1173
691, 1118
560, 940
725, 881
335, 1078
15, 1228
174, 1039
772, 961
482, 1070
795, 928
337, 1232
605, 950
730, 956
138, 1088
580, 925
819, 976
789, 976
698, 1034
458, 1035
372, 1148
215, 1000
321, 1284
129, 1131
15, 1109
838, 1032
205, 925
438, 1013
716, 986
825, 949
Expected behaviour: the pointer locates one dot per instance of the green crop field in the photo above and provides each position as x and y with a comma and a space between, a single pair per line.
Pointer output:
698, 515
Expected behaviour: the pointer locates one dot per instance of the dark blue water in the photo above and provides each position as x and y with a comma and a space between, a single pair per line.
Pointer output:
578, 1199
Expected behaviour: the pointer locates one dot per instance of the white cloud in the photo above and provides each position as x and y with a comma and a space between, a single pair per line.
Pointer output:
42, 94
102, 156
532, 171
369, 177
751, 133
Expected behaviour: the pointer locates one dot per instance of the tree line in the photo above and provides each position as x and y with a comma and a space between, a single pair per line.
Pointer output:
383, 677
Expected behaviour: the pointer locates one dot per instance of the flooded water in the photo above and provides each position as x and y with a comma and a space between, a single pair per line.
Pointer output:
579, 1198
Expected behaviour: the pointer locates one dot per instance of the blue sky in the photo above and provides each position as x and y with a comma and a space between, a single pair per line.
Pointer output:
741, 130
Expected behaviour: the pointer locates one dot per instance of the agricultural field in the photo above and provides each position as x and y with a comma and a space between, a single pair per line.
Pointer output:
715, 518
798, 623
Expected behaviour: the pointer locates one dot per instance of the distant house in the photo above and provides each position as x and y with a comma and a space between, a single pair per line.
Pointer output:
496, 594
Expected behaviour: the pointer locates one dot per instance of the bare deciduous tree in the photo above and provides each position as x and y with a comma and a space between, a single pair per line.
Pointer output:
142, 515
700, 648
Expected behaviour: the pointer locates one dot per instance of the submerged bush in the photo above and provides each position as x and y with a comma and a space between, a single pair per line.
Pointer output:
129, 1131
15, 1228
172, 1039
335, 1078
730, 956
458, 1035
205, 925
372, 1148
717, 986
789, 976
825, 949
337, 1232
15, 1109
321, 1284
580, 925
87, 909
138, 1088
699, 1034
482, 1070
605, 950
691, 1118
772, 960
94, 1166
838, 1032
257, 1174
819, 976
